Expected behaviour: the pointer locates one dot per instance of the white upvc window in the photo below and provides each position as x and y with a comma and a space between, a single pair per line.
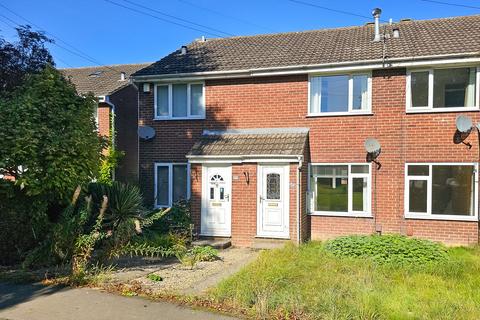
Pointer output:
340, 189
442, 89
179, 101
340, 94
443, 191
171, 183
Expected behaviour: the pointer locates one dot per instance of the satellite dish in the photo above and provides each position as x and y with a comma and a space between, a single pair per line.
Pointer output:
146, 132
464, 123
373, 148
372, 145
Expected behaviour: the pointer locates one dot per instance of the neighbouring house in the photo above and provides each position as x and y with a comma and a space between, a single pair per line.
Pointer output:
117, 109
265, 134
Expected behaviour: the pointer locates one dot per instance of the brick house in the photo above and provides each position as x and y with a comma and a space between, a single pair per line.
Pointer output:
117, 109
265, 134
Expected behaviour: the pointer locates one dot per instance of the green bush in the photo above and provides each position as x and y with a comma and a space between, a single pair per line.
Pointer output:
205, 253
23, 223
388, 249
154, 277
178, 220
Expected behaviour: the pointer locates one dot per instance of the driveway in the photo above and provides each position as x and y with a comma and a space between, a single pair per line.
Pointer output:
36, 302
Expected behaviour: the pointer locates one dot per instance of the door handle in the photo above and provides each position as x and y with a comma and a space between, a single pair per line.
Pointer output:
227, 197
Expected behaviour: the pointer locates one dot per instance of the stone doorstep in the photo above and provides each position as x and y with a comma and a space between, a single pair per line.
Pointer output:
214, 242
269, 243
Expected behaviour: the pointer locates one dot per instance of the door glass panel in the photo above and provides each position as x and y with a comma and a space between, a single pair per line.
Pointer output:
212, 193
222, 193
162, 185
273, 186
332, 194
359, 186
452, 190
417, 190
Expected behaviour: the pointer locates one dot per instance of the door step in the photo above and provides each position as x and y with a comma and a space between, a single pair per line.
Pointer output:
269, 243
214, 242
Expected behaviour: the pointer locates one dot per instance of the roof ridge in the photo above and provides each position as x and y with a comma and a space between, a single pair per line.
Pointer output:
108, 66
333, 28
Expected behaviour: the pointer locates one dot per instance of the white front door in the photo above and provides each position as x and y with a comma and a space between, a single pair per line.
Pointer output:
216, 217
273, 201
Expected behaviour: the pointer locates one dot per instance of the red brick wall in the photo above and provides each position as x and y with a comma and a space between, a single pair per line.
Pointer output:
282, 102
103, 119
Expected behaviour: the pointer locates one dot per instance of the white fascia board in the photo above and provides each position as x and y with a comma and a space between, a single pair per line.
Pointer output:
466, 58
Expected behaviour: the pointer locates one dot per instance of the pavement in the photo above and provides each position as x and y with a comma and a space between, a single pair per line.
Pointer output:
37, 302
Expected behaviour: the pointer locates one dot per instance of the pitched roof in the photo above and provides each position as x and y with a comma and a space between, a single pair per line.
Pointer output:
101, 80
420, 38
251, 142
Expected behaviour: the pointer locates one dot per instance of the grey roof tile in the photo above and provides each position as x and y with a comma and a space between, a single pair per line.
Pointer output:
101, 80
247, 144
456, 35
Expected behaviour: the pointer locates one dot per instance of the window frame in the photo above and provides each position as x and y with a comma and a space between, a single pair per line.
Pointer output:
351, 176
428, 215
170, 101
170, 182
350, 112
430, 108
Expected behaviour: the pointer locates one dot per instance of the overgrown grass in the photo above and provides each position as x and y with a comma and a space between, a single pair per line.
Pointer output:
307, 282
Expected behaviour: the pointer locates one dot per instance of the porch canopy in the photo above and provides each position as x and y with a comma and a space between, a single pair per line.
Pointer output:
250, 145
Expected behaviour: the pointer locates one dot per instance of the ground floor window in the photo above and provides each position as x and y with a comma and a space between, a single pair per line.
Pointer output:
441, 191
340, 189
172, 183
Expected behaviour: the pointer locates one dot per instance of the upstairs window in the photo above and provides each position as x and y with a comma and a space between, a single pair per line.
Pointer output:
179, 101
339, 94
441, 191
442, 89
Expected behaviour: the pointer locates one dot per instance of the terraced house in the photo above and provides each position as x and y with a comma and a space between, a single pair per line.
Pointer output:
266, 134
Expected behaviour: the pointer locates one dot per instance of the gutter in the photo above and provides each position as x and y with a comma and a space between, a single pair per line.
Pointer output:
470, 57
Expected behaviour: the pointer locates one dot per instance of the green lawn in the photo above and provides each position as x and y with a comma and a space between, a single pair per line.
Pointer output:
308, 283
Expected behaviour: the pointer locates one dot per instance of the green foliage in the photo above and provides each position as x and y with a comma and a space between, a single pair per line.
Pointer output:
48, 138
154, 277
190, 257
20, 230
388, 249
18, 59
178, 220
307, 282
108, 165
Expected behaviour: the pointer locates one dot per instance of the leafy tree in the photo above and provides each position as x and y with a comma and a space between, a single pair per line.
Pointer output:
48, 137
17, 60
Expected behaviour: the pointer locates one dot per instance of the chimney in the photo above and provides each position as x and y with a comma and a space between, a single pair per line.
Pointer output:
122, 76
376, 15
183, 50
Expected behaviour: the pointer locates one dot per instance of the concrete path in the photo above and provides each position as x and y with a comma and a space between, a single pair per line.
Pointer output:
36, 302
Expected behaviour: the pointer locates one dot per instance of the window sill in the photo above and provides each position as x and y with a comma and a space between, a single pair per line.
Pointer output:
439, 217
339, 114
441, 110
177, 118
341, 214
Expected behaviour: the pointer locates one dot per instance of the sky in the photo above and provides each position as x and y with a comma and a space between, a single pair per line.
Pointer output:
100, 32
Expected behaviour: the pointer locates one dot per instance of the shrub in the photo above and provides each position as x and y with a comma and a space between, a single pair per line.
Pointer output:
387, 249
154, 277
197, 254
177, 221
